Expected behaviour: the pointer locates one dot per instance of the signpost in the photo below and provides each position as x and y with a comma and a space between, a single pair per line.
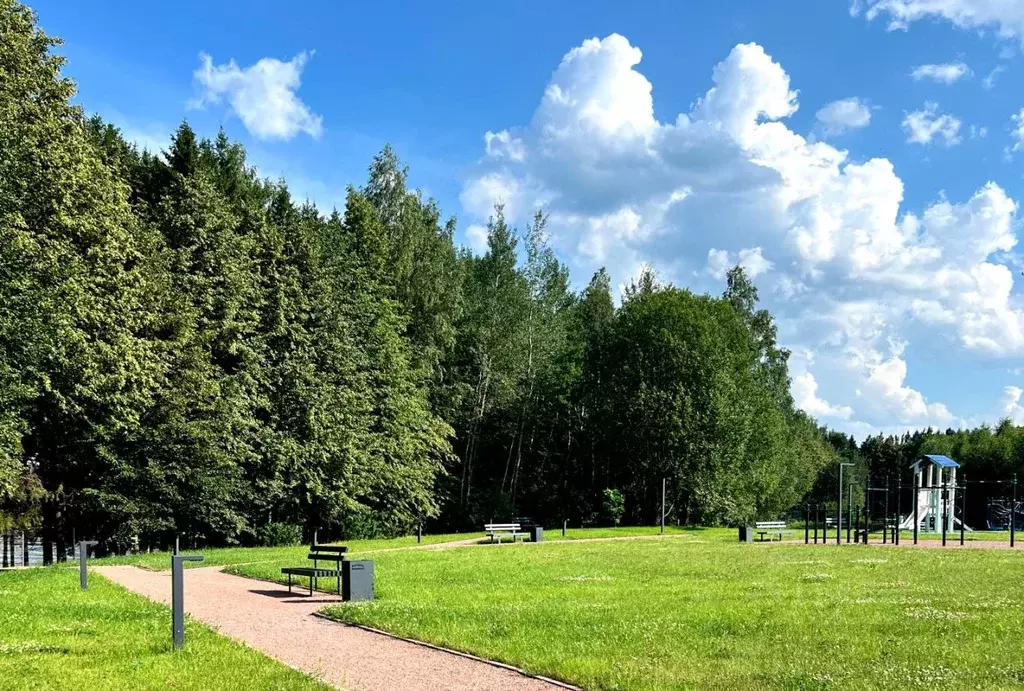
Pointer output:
178, 597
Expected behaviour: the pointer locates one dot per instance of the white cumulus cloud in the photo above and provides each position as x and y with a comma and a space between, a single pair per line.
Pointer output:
1010, 404
751, 259
847, 270
263, 95
844, 114
944, 73
1006, 17
805, 396
924, 126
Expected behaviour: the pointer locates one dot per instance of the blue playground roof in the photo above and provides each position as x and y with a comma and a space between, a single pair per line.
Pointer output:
942, 461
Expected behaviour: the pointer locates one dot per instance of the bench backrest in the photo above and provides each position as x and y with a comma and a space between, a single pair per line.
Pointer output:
501, 526
339, 549
770, 524
325, 557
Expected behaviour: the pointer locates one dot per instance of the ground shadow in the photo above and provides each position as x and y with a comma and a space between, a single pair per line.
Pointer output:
296, 597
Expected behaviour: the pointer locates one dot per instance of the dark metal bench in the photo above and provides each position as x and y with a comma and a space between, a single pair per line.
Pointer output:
318, 553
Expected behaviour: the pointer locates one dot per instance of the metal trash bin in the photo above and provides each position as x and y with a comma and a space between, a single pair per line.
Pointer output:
357, 580
746, 533
536, 533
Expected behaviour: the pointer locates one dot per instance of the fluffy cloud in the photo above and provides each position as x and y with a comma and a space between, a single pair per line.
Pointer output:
477, 236
262, 95
944, 73
805, 396
989, 82
1010, 404
923, 126
1005, 16
1017, 133
847, 271
751, 259
842, 115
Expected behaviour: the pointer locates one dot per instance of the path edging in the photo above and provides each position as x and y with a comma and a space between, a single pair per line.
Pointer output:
492, 663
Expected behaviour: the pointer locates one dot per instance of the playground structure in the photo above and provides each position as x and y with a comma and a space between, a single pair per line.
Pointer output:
997, 514
936, 488
938, 505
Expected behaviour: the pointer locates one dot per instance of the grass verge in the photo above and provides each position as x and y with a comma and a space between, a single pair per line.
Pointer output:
55, 636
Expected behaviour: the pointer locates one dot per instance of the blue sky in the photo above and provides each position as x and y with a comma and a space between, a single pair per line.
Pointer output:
861, 160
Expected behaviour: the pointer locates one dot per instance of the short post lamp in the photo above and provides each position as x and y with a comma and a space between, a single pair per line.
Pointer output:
83, 557
178, 597
839, 506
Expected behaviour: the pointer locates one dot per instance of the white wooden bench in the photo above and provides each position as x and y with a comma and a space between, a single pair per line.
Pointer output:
779, 528
499, 530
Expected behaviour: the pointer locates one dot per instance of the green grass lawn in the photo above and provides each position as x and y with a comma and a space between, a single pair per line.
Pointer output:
161, 561
709, 612
54, 636
631, 531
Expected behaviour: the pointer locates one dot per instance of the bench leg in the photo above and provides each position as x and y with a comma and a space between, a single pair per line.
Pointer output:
289, 583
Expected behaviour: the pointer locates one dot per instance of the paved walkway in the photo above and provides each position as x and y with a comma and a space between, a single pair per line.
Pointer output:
264, 616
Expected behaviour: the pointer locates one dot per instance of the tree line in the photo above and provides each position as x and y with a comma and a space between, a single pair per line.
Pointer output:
186, 349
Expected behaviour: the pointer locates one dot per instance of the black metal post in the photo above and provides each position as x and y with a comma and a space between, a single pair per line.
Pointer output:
807, 527
945, 508
885, 521
963, 507
917, 497
178, 597
83, 557
564, 524
419, 533
662, 506
1013, 511
899, 515
867, 509
849, 510
856, 529
817, 507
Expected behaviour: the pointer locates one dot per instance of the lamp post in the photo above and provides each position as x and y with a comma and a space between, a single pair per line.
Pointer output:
849, 509
839, 508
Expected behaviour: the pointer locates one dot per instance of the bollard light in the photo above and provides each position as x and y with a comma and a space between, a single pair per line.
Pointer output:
178, 597
83, 556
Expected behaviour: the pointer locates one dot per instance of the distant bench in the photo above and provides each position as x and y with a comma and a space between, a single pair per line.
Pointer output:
499, 530
779, 528
318, 553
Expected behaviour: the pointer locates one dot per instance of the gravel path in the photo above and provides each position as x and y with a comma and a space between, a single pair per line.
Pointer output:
264, 616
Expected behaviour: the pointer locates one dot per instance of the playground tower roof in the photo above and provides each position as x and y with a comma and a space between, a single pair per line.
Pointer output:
941, 461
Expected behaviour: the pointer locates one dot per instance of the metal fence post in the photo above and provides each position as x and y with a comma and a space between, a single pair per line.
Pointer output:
945, 509
807, 523
83, 557
867, 509
885, 521
1013, 511
963, 507
178, 597
917, 518
662, 506
899, 492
